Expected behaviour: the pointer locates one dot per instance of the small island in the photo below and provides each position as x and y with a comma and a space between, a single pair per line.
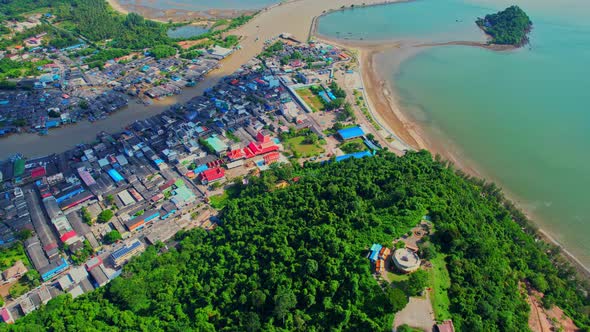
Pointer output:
508, 27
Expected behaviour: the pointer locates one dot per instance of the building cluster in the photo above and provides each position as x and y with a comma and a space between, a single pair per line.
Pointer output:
66, 89
152, 175
76, 281
378, 256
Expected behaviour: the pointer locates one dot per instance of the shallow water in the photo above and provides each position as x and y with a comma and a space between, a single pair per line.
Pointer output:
520, 116
199, 5
186, 31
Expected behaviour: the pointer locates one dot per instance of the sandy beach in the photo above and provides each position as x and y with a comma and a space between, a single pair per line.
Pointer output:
382, 99
116, 6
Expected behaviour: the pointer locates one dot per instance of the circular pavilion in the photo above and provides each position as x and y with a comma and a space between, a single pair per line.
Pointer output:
406, 260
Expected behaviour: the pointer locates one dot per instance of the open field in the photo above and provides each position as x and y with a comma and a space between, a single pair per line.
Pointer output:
439, 281
310, 99
219, 201
397, 277
352, 146
9, 256
305, 150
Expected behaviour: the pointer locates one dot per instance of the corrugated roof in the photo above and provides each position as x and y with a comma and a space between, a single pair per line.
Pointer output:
352, 132
356, 155
115, 175
216, 143
19, 167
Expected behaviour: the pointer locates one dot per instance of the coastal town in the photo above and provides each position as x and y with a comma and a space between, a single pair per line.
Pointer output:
83, 213
265, 177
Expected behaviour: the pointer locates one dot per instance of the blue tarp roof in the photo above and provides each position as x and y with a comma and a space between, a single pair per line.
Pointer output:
115, 175
352, 132
201, 168
356, 155
375, 249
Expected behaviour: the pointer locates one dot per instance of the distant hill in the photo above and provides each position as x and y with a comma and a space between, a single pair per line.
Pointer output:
508, 27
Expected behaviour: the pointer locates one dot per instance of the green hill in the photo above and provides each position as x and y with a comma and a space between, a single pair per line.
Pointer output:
508, 27
294, 259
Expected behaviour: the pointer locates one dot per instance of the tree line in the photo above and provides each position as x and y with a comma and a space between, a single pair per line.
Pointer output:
295, 258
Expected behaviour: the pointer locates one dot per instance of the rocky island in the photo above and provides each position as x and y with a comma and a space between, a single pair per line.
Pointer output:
508, 27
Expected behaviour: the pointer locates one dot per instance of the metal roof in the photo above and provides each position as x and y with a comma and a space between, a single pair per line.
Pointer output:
352, 132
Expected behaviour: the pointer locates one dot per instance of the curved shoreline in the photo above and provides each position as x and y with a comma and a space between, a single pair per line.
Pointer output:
369, 50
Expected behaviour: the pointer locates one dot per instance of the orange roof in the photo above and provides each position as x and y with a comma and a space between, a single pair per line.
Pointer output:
236, 154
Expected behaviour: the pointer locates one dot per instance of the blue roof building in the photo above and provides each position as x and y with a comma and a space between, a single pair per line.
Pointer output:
126, 252
350, 133
151, 215
115, 175
375, 249
54, 268
201, 168
69, 194
356, 155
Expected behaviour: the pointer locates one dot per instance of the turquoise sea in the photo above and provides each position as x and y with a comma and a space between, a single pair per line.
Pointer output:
521, 117
198, 5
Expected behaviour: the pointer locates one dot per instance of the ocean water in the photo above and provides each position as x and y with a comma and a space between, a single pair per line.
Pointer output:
199, 5
186, 31
522, 117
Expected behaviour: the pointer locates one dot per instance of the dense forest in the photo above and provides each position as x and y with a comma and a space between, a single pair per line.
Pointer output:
508, 27
94, 20
14, 8
295, 258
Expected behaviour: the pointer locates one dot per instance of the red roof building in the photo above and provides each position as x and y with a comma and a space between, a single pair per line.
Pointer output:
6, 316
93, 262
262, 138
271, 158
157, 198
235, 154
50, 246
254, 148
167, 185
268, 147
212, 175
68, 236
38, 172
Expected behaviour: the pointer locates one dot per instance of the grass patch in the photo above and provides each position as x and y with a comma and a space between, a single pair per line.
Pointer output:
219, 201
314, 102
397, 277
9, 256
440, 281
352, 146
304, 150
